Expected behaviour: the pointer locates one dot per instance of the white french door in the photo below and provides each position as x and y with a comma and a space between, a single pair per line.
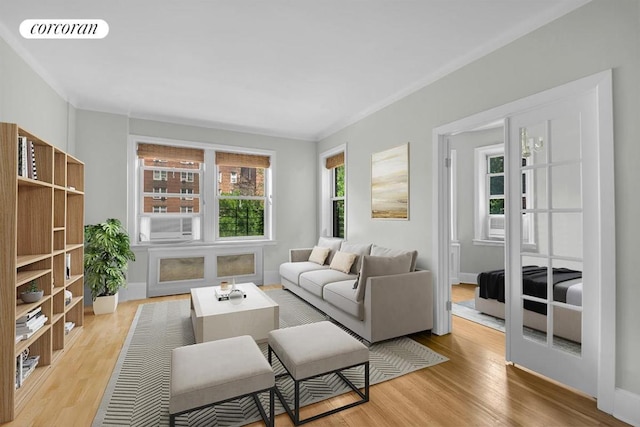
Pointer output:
553, 157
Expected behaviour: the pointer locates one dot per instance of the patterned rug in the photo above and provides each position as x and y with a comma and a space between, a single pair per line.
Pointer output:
138, 391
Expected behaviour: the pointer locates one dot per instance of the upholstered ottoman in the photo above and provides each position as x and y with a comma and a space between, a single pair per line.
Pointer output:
219, 371
313, 350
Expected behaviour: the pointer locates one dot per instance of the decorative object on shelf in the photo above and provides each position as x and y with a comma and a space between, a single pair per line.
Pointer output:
390, 183
106, 257
32, 294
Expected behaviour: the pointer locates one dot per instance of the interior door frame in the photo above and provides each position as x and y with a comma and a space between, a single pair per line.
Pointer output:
602, 84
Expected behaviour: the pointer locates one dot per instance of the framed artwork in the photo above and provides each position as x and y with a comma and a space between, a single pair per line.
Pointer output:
390, 183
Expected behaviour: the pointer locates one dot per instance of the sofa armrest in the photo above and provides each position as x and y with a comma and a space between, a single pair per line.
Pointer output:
299, 255
399, 304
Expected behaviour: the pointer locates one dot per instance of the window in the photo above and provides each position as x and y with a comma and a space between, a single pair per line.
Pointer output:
186, 191
159, 190
334, 194
172, 186
242, 203
159, 175
495, 196
490, 196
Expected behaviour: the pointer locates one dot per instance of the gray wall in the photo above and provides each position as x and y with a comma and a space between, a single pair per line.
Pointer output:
600, 35
102, 145
473, 258
26, 99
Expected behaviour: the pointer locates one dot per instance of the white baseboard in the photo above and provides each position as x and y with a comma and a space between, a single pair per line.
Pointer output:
133, 291
471, 278
625, 406
271, 277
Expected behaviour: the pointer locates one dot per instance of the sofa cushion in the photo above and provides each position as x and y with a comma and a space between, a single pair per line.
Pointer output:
314, 281
373, 266
292, 270
359, 249
319, 255
342, 261
332, 243
382, 251
343, 296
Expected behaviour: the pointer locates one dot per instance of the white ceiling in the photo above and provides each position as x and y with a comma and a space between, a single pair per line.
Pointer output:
294, 68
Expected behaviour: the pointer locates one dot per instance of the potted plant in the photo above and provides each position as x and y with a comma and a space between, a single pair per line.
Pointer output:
32, 293
106, 255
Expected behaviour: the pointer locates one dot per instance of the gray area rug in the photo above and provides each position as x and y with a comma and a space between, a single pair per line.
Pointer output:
138, 391
467, 310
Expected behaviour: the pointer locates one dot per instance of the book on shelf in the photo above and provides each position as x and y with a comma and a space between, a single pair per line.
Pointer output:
24, 367
68, 266
26, 158
31, 321
68, 326
32, 163
29, 315
30, 330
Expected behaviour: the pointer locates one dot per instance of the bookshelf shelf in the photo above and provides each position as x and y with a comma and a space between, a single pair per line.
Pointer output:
41, 226
26, 276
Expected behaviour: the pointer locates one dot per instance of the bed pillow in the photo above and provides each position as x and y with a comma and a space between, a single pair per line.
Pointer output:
319, 255
373, 266
342, 261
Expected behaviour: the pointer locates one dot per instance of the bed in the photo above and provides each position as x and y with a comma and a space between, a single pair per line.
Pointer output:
567, 288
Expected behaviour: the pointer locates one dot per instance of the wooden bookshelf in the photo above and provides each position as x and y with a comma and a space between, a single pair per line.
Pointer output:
41, 226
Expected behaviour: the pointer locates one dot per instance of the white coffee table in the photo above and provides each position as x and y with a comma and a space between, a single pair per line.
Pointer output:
255, 315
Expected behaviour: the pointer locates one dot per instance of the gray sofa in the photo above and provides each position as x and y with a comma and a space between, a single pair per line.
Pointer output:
381, 296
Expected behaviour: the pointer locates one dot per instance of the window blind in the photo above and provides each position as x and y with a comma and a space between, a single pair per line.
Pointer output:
242, 160
335, 161
169, 152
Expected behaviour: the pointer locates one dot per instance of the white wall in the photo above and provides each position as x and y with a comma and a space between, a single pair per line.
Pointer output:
102, 145
473, 258
598, 36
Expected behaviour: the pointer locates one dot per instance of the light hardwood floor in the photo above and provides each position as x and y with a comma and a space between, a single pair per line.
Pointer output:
475, 387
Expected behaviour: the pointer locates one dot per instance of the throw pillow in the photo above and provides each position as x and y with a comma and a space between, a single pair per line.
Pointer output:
319, 255
342, 261
359, 249
373, 266
382, 251
333, 243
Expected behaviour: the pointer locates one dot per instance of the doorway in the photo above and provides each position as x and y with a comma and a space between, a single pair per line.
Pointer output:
602, 278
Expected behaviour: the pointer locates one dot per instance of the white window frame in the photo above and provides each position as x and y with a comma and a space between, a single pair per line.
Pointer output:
186, 209
326, 191
159, 209
159, 190
267, 199
186, 176
483, 235
233, 178
186, 191
209, 189
159, 175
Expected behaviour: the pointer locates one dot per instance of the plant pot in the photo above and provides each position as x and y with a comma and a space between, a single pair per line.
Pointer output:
29, 297
105, 305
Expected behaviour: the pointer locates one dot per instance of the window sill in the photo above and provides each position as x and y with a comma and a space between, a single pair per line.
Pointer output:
485, 242
531, 247
187, 245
